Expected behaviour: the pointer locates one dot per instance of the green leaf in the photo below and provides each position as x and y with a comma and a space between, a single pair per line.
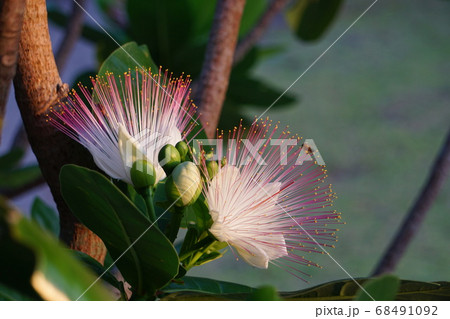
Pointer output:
310, 19
57, 274
347, 290
97, 268
149, 260
265, 293
206, 285
45, 216
383, 288
19, 177
341, 290
128, 57
197, 216
11, 159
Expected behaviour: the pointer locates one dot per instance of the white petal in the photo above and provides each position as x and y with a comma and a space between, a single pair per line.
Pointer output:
110, 164
275, 246
129, 151
252, 255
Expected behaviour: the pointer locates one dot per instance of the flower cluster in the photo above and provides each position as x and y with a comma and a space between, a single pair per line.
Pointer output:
263, 204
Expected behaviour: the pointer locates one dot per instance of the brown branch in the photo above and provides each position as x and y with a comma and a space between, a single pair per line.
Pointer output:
72, 34
38, 86
11, 18
414, 218
213, 82
258, 30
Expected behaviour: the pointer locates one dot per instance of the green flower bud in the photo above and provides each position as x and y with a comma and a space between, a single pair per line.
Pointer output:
183, 149
184, 185
143, 174
169, 158
213, 168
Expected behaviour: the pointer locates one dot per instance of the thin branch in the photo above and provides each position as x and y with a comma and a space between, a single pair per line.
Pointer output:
414, 218
11, 18
258, 30
213, 82
38, 88
72, 34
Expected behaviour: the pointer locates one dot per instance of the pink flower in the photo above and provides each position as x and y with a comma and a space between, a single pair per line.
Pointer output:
267, 211
127, 118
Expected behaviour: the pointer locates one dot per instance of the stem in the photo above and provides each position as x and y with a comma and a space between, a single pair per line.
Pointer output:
174, 224
214, 78
38, 88
11, 19
146, 193
199, 254
71, 36
414, 218
207, 241
258, 30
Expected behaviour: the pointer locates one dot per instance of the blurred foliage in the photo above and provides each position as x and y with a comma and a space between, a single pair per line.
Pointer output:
45, 216
310, 19
38, 266
176, 35
13, 175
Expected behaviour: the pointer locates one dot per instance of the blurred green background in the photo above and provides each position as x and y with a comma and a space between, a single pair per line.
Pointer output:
377, 105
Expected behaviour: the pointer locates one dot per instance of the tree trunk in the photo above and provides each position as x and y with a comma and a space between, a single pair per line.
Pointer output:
38, 88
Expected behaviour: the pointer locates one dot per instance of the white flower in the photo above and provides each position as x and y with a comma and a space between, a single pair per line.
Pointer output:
128, 118
266, 211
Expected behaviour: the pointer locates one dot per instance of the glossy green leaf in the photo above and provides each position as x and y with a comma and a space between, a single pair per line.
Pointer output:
57, 274
149, 260
383, 288
45, 216
128, 57
97, 268
206, 285
310, 19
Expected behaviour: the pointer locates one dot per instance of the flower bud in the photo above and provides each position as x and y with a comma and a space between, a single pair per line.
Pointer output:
212, 168
183, 149
169, 158
223, 162
143, 174
184, 185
